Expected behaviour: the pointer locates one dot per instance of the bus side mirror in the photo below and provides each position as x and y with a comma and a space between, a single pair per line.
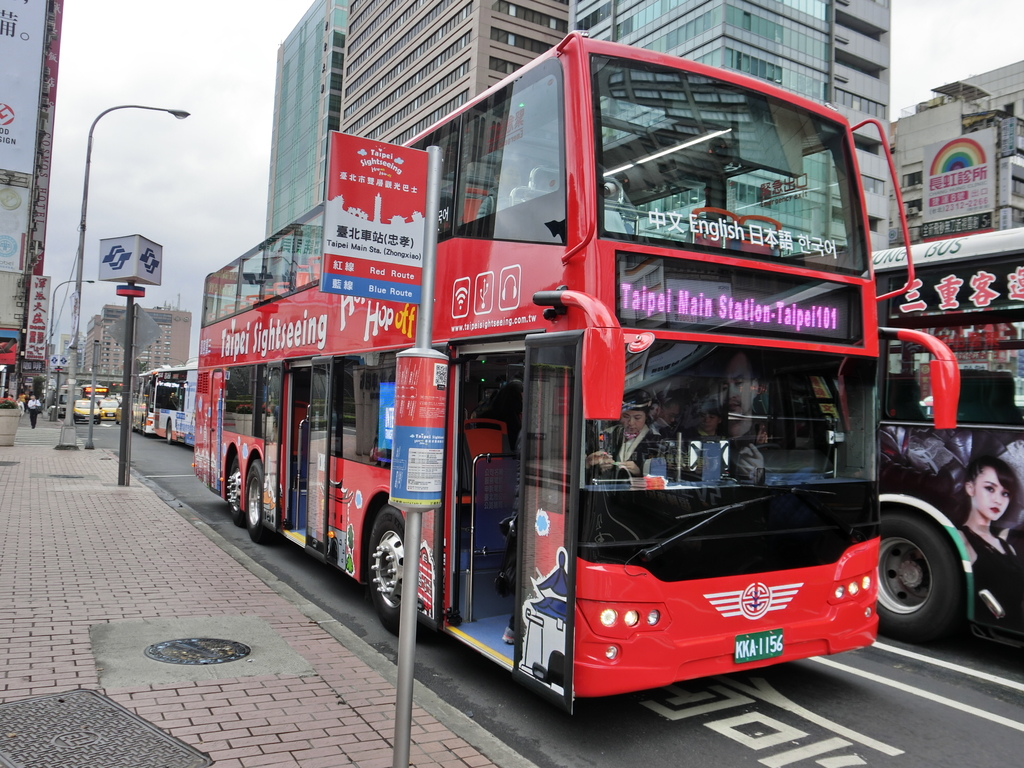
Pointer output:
604, 349
945, 373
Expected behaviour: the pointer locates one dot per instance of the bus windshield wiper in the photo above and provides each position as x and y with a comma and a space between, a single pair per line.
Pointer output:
811, 497
712, 514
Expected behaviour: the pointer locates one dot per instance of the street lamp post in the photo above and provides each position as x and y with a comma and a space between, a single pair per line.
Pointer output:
50, 352
67, 433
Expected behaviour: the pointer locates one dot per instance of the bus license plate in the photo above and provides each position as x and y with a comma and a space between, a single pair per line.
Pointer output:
758, 645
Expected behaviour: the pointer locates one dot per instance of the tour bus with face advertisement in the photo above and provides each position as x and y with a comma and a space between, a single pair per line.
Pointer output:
952, 500
654, 296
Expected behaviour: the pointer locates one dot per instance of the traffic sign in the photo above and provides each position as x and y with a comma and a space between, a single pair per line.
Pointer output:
58, 361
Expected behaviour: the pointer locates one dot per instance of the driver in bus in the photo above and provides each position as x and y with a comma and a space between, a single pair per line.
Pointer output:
628, 444
745, 433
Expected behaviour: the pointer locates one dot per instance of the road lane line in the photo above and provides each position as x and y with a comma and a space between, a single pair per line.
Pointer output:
1014, 724
954, 667
170, 475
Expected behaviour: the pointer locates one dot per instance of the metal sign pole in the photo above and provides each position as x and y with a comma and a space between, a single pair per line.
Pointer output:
130, 292
414, 515
92, 394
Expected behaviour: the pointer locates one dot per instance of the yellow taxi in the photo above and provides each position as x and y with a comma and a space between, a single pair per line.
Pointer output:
81, 412
110, 410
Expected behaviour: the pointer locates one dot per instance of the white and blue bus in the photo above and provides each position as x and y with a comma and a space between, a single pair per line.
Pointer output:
953, 500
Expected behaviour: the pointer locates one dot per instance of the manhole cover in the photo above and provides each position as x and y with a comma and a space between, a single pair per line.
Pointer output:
83, 729
198, 650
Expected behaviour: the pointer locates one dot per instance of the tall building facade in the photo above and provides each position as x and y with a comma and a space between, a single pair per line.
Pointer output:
408, 63
171, 346
307, 104
973, 126
835, 52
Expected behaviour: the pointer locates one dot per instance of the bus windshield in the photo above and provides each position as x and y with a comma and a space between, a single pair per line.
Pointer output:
724, 451
688, 161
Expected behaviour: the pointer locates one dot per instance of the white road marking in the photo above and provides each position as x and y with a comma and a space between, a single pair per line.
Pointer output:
1014, 724
954, 667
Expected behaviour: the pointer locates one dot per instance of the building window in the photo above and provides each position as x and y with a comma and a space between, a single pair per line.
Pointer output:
519, 41
912, 179
859, 103
533, 17
502, 66
873, 185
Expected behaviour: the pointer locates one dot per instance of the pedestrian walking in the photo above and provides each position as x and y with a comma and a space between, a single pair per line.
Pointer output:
22, 400
34, 407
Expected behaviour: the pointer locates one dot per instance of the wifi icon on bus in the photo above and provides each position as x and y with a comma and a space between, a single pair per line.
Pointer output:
460, 298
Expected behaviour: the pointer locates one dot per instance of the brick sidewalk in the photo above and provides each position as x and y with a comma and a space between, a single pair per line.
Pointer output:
81, 557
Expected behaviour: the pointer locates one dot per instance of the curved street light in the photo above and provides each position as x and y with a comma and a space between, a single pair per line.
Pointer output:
67, 432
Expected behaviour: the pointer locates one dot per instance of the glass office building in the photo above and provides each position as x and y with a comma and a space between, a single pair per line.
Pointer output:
307, 104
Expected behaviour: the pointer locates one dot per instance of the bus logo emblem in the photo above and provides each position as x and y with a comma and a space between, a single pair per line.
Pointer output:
754, 601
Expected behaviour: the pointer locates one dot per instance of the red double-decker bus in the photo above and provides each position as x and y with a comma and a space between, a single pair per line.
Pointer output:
654, 291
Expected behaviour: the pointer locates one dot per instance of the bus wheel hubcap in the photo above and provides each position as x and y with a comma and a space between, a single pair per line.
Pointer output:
904, 583
387, 567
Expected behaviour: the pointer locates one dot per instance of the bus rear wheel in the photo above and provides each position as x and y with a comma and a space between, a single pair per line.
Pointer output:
387, 558
920, 594
234, 493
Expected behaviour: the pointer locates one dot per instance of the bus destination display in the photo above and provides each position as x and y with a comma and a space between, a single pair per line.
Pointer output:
677, 295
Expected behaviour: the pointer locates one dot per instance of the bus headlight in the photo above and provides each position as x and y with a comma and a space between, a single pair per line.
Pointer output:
631, 618
611, 652
653, 617
840, 591
609, 616
866, 583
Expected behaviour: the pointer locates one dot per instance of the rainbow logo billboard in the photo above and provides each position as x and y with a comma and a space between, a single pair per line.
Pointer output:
960, 176
957, 154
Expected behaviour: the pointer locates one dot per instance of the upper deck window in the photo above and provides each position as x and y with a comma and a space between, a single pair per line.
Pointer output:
688, 161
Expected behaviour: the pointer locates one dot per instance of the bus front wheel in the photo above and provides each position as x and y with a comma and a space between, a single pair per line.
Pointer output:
920, 595
258, 532
387, 558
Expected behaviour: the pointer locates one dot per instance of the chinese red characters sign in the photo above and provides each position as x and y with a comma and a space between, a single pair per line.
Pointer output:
964, 289
38, 313
373, 219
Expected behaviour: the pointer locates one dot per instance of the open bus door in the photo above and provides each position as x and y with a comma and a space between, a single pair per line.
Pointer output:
308, 451
548, 503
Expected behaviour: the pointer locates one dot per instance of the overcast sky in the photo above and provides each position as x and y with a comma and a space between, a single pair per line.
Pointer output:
199, 186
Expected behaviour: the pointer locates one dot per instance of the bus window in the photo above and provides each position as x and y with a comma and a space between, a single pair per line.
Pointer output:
221, 293
511, 183
369, 408
688, 161
238, 399
447, 138
712, 427
990, 386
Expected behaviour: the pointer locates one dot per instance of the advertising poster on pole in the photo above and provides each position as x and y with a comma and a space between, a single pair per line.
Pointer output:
373, 219
417, 461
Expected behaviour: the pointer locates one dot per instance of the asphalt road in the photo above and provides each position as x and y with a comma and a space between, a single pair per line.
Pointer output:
957, 703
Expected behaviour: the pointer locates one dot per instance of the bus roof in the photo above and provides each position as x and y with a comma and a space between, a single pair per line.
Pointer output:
955, 249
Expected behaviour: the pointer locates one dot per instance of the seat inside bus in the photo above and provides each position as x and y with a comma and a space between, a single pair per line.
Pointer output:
988, 397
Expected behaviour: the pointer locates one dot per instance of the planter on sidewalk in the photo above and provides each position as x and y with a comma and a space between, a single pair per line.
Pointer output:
9, 419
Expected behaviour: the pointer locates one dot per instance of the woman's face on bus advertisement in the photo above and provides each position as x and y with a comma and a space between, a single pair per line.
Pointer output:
988, 496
